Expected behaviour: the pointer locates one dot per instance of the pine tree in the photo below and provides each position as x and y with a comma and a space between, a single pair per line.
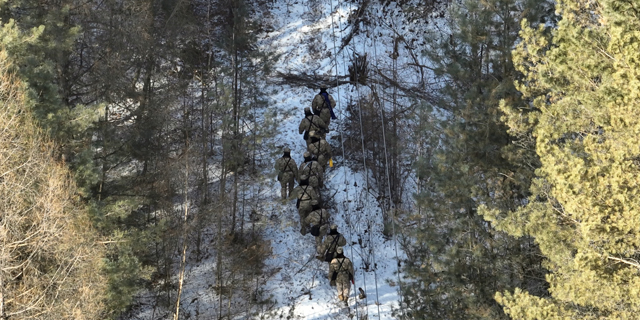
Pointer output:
583, 211
45, 65
458, 258
50, 256
121, 85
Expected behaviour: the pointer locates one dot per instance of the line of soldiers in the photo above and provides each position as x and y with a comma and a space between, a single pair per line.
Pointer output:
314, 218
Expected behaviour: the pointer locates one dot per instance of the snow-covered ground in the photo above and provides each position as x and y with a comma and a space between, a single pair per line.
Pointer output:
306, 40
301, 287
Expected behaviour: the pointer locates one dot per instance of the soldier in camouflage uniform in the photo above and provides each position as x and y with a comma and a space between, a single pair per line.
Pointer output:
320, 148
332, 241
287, 172
305, 194
341, 274
318, 218
309, 123
321, 107
312, 169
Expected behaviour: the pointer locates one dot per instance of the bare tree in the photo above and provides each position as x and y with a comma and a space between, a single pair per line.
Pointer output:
49, 258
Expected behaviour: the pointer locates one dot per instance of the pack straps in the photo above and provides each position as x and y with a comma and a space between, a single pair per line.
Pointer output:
309, 165
340, 266
334, 242
312, 124
337, 271
328, 103
305, 166
317, 148
284, 169
304, 191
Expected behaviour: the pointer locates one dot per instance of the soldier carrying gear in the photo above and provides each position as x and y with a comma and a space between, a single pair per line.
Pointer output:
341, 274
320, 148
311, 168
305, 194
287, 172
318, 220
323, 105
332, 241
309, 123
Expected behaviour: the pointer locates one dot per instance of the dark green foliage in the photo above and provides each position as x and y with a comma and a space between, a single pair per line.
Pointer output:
581, 77
458, 259
50, 257
46, 66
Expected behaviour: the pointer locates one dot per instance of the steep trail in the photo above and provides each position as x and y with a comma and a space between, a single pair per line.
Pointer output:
304, 289
294, 281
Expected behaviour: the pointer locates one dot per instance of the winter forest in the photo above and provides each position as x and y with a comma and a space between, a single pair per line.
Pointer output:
484, 158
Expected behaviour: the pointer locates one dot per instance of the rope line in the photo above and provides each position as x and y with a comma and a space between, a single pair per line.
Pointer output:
366, 173
364, 274
346, 203
335, 57
386, 158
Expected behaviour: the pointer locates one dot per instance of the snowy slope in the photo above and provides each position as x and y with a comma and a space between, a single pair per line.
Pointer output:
297, 282
301, 287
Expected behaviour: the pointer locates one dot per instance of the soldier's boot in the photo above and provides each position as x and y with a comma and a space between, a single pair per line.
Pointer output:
283, 193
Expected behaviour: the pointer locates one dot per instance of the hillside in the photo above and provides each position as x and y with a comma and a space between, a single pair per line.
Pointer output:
294, 282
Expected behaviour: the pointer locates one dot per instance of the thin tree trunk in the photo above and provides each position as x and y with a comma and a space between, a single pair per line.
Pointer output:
219, 262
255, 126
144, 105
242, 212
181, 280
184, 217
104, 157
236, 145
235, 202
3, 316
395, 184
230, 295
205, 172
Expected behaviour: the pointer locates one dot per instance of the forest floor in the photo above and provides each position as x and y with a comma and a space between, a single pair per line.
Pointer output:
304, 37
294, 281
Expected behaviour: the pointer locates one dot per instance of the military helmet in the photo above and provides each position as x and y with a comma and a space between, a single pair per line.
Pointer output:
307, 154
334, 227
339, 250
286, 150
314, 202
307, 110
304, 177
324, 83
312, 133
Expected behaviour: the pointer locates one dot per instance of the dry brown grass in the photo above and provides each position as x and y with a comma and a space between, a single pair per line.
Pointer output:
49, 257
